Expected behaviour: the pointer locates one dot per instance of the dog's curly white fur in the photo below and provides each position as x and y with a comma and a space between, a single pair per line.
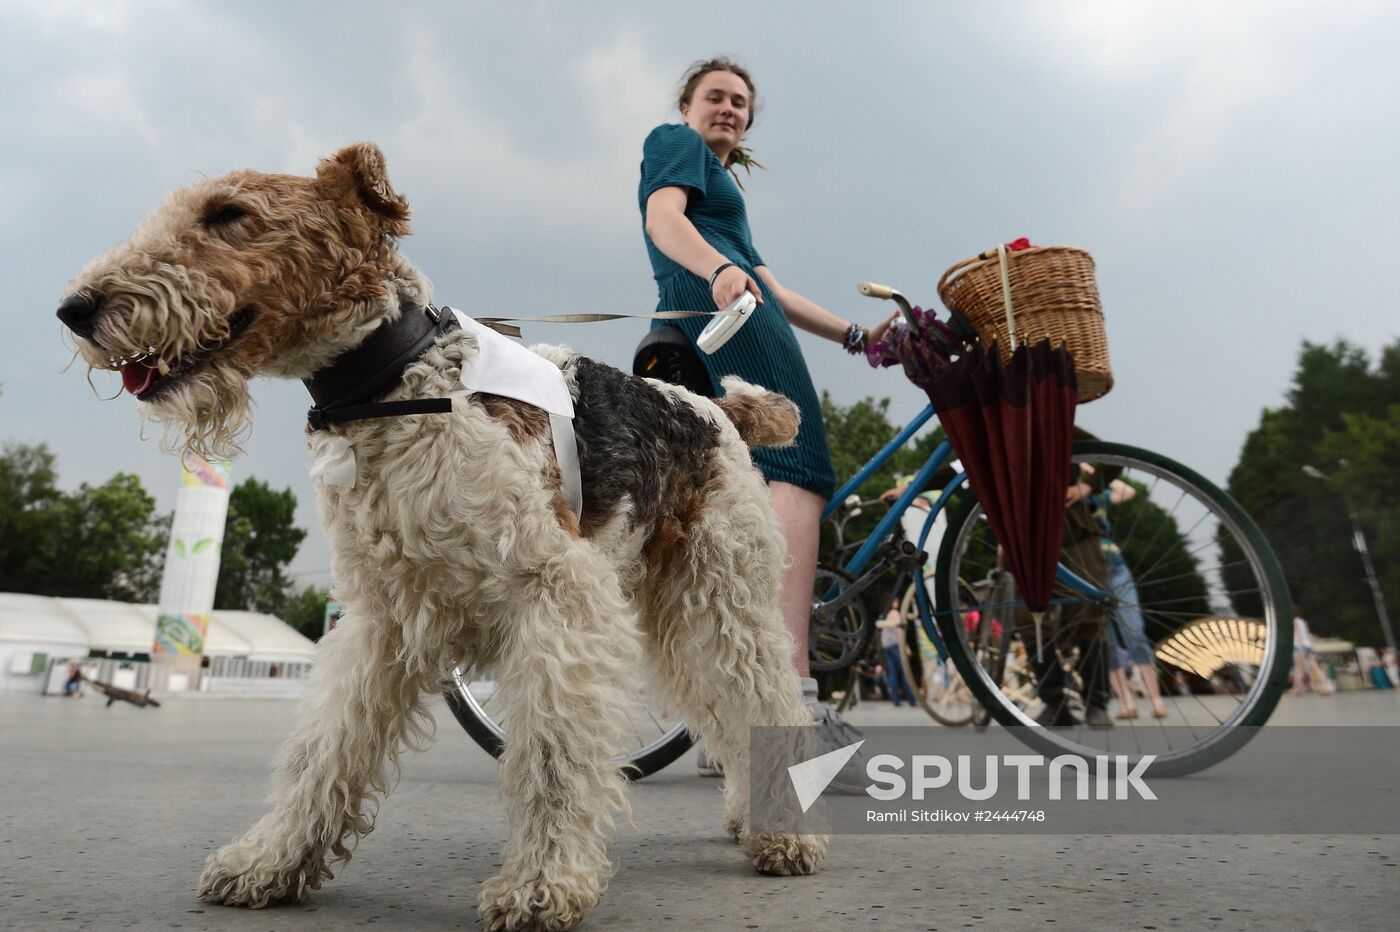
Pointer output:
456, 541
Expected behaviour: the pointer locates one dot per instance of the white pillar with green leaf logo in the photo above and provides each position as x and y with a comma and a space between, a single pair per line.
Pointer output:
191, 573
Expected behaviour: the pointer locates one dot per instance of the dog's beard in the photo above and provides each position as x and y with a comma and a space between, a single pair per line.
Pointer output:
175, 311
210, 414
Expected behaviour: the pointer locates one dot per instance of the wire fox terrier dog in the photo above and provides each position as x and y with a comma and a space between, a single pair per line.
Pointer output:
454, 539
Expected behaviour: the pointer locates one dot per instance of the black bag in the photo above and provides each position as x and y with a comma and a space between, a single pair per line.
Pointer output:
666, 353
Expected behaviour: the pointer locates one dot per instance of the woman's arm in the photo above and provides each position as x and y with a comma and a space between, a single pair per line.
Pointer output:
804, 313
673, 233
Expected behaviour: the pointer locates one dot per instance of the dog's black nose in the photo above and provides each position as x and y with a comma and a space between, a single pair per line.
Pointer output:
79, 312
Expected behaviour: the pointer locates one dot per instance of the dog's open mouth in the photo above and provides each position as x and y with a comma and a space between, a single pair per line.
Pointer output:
150, 375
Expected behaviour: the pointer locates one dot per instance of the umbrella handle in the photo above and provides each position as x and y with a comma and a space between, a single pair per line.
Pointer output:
1010, 318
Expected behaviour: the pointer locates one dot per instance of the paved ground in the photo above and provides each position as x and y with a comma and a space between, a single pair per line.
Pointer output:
108, 815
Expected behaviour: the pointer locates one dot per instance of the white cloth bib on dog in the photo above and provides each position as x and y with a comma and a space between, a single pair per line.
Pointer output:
504, 367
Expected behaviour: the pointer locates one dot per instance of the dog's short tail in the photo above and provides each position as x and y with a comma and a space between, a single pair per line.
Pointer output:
763, 418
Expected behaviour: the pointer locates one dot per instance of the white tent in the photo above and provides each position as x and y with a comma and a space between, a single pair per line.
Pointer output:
34, 628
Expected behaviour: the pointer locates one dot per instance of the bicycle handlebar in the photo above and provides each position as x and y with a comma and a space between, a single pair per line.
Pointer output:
886, 293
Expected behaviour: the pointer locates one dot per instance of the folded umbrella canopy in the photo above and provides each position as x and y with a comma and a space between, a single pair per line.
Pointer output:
1012, 425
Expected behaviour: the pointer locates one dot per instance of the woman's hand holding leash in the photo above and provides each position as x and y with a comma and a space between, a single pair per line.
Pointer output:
730, 282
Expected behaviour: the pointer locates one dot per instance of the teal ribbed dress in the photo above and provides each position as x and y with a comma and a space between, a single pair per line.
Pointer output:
765, 351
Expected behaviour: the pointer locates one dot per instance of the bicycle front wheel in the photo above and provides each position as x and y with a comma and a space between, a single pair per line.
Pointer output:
655, 737
1202, 630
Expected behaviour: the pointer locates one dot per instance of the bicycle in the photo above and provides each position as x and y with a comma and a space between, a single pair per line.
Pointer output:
1210, 592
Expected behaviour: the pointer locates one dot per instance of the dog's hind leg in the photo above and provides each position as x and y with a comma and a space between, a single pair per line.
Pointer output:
716, 639
568, 640
364, 703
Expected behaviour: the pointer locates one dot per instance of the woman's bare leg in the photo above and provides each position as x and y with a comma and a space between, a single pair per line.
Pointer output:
1149, 683
800, 513
1119, 680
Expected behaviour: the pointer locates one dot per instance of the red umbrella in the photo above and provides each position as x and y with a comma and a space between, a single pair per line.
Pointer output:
1012, 425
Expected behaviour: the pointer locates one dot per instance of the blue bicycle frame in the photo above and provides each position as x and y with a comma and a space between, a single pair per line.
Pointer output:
941, 454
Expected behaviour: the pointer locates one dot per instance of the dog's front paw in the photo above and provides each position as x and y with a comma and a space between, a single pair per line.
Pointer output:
785, 855
248, 873
536, 903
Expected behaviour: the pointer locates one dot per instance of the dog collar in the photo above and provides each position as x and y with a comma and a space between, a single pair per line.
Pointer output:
342, 389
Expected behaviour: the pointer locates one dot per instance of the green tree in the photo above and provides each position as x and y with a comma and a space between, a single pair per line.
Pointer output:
857, 432
260, 540
306, 611
1367, 480
29, 500
104, 542
1338, 407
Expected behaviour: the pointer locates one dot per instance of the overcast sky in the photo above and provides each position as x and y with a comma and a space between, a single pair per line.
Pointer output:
1231, 166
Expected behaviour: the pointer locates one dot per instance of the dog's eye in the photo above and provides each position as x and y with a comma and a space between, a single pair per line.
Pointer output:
223, 215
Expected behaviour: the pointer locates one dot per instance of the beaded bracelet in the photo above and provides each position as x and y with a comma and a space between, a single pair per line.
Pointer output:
855, 339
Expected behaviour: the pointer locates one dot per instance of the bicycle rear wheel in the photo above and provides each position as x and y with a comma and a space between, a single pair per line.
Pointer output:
948, 701
1213, 603
655, 738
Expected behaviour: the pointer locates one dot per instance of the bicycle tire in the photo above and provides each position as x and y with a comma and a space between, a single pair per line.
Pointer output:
490, 735
965, 549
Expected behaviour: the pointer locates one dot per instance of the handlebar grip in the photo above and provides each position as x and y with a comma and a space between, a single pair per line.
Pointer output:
873, 290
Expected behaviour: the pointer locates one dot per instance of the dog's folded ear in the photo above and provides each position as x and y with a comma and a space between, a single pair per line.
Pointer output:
358, 170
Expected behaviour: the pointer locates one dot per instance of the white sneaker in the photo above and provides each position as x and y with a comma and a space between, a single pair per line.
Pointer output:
834, 733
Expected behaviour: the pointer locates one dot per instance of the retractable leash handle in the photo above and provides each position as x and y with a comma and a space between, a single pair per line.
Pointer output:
722, 327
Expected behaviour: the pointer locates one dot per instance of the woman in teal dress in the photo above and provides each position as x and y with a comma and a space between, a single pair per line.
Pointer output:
702, 256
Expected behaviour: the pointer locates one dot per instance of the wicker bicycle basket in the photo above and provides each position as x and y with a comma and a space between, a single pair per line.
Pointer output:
1053, 296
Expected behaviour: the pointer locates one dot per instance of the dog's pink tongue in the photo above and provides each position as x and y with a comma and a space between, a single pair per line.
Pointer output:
137, 377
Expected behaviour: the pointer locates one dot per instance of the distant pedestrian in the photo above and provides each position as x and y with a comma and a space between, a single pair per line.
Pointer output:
1132, 651
893, 646
1305, 663
74, 685
1380, 672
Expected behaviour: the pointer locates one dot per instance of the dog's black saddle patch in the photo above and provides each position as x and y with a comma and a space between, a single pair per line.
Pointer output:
637, 442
